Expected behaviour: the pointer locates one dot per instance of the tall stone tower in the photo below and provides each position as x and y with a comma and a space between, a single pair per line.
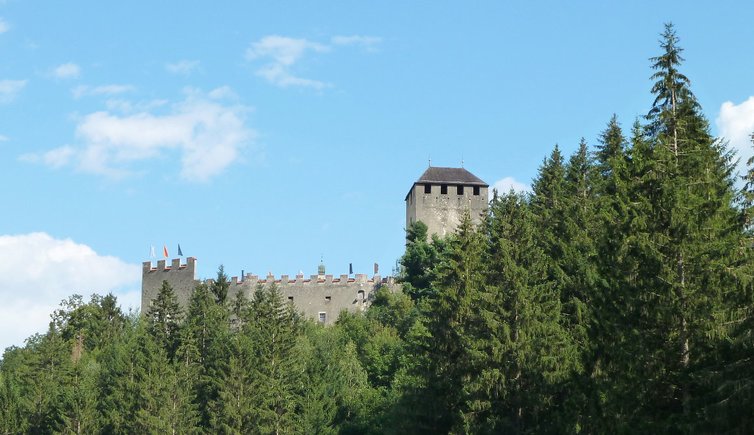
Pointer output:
440, 197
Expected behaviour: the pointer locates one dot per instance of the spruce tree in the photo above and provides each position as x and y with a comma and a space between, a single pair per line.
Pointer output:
681, 234
530, 352
220, 286
420, 260
452, 346
164, 318
203, 349
273, 328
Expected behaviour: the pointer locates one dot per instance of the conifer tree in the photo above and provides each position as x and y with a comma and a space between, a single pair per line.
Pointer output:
530, 351
220, 286
80, 407
204, 346
682, 232
420, 260
164, 317
276, 368
452, 348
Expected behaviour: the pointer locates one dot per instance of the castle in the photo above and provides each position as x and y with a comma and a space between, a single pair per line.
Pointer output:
439, 198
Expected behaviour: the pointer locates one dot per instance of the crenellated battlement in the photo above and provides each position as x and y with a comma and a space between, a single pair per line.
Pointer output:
182, 277
175, 265
299, 279
321, 297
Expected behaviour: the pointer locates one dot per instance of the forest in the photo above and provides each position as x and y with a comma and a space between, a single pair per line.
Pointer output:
617, 296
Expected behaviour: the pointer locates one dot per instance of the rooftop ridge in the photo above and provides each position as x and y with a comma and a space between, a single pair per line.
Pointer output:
439, 174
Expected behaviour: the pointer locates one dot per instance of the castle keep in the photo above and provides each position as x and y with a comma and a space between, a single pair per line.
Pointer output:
439, 198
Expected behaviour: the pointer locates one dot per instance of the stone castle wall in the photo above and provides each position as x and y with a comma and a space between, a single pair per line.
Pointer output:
442, 212
320, 297
182, 277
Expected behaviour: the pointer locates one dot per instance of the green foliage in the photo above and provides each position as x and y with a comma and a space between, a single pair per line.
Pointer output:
164, 317
418, 263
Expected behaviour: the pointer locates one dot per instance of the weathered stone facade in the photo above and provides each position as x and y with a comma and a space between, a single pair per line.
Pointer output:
182, 277
320, 297
441, 196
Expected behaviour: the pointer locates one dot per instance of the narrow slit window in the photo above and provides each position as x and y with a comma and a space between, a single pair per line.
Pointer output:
427, 188
444, 189
290, 298
328, 298
459, 190
476, 190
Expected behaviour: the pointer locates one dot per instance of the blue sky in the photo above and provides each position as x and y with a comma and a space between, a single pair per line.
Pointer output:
263, 135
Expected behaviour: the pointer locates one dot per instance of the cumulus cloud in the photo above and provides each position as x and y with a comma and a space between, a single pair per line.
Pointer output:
281, 54
207, 134
9, 89
107, 90
368, 42
182, 67
735, 122
3, 26
507, 184
67, 71
37, 271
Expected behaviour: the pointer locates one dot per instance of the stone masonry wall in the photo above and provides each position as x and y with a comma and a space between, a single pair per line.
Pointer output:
182, 277
442, 212
320, 297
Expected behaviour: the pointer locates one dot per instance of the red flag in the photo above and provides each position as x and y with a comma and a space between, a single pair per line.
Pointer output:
165, 250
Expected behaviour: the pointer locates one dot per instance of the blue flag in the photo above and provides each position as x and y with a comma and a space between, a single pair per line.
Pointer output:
180, 253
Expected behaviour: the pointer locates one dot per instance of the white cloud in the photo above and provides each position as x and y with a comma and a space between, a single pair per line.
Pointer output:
84, 91
507, 184
3, 26
54, 158
9, 89
37, 271
125, 106
182, 67
206, 133
736, 124
67, 71
3, 138
282, 54
367, 42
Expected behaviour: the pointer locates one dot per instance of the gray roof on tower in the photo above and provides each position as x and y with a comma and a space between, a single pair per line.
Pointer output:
438, 175
450, 176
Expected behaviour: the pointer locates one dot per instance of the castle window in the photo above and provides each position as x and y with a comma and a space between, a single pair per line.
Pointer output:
360, 296
427, 188
328, 298
444, 189
459, 190
290, 298
476, 190
322, 317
